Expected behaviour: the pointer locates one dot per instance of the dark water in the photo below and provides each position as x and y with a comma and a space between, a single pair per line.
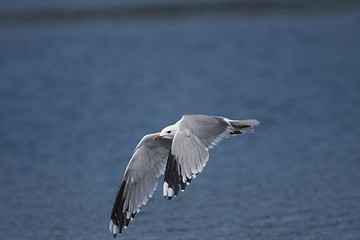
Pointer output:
75, 98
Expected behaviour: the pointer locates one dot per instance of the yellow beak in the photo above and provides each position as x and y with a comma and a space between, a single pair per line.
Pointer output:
157, 137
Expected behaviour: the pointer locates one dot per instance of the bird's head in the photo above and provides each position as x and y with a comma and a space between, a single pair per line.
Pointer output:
168, 132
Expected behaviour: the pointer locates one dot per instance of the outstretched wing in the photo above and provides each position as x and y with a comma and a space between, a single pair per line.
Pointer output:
190, 149
140, 180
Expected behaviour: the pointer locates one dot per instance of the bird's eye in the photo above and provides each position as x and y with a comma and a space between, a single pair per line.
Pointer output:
168, 132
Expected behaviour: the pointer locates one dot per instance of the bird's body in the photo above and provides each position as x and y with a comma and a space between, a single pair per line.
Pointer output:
179, 151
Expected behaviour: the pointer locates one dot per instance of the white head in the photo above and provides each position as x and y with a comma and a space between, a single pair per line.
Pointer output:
168, 132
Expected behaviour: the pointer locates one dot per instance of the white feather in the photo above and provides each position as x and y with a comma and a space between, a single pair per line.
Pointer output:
111, 225
115, 229
170, 192
165, 189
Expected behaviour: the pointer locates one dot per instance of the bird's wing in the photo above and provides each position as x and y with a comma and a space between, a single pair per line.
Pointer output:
189, 150
140, 180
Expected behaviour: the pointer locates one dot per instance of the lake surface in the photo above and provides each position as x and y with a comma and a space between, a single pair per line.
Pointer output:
76, 97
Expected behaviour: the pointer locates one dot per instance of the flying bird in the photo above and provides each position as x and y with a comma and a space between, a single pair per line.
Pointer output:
180, 151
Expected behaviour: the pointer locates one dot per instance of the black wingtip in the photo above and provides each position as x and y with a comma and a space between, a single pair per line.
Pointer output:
183, 186
188, 180
173, 174
236, 132
117, 216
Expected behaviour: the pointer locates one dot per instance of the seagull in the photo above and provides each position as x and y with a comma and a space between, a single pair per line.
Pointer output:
180, 152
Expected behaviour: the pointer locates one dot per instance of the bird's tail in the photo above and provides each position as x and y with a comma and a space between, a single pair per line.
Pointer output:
243, 126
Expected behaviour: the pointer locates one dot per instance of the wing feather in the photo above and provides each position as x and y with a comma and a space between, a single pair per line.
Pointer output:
190, 148
139, 181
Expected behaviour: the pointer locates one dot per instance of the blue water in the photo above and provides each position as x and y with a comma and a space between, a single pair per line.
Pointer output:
76, 97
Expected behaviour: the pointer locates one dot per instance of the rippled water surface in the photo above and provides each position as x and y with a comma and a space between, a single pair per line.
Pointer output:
75, 99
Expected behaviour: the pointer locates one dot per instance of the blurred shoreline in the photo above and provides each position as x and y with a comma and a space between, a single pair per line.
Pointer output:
155, 10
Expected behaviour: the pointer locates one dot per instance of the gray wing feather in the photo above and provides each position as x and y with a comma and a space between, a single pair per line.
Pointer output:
189, 150
140, 180
210, 130
198, 134
191, 153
